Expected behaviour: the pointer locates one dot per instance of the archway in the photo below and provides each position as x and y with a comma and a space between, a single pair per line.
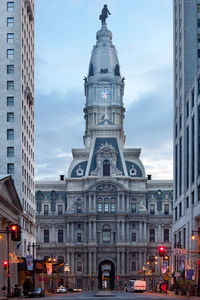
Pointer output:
106, 275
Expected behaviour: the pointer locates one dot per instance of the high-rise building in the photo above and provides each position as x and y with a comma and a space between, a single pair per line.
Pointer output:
107, 218
17, 106
186, 133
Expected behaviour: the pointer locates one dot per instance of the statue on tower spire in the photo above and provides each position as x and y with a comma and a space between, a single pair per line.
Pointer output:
104, 14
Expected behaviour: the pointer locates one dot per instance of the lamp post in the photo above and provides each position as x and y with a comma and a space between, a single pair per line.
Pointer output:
52, 261
34, 246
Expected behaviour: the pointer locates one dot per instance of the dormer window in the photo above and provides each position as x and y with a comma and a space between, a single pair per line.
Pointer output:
106, 168
152, 209
166, 212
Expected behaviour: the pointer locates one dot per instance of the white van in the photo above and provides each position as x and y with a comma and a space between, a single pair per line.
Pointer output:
136, 285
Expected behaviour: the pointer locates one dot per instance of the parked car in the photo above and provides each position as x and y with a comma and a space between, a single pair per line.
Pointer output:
61, 289
136, 286
36, 292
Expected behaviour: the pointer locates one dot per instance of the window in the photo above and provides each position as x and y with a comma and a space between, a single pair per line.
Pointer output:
10, 134
10, 37
79, 266
79, 208
10, 22
152, 209
10, 53
112, 207
198, 53
152, 235
79, 237
10, 151
133, 266
192, 96
133, 236
106, 168
60, 210
10, 6
166, 211
176, 214
46, 235
60, 235
10, 101
198, 193
106, 233
10, 117
10, 85
180, 122
166, 235
198, 22
46, 210
99, 207
192, 197
133, 207
180, 209
106, 207
187, 109
10, 69
198, 8
10, 168
198, 38
187, 202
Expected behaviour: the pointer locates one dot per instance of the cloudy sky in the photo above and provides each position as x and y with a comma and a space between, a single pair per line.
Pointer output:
65, 32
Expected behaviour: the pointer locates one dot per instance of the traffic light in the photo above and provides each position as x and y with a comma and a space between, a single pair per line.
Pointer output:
161, 251
5, 264
16, 232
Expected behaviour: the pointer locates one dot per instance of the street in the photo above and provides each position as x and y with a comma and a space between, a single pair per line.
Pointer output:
116, 295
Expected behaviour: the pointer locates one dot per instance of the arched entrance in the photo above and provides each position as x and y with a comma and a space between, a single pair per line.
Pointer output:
106, 275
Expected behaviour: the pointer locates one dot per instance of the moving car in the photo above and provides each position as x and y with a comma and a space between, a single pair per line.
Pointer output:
61, 289
36, 292
136, 286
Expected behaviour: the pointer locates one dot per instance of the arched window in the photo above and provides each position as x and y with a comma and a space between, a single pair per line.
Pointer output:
106, 233
106, 168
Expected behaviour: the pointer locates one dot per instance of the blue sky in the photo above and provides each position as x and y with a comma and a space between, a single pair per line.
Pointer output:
65, 32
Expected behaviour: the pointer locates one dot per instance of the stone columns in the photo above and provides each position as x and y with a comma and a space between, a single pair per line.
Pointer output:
127, 232
72, 232
123, 202
145, 231
140, 231
94, 263
118, 230
123, 230
90, 231
72, 262
140, 260
67, 235
90, 262
123, 263
95, 230
118, 263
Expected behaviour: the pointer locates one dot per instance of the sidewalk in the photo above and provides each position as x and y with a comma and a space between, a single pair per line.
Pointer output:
172, 294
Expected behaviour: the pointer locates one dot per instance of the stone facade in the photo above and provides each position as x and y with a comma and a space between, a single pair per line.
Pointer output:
107, 218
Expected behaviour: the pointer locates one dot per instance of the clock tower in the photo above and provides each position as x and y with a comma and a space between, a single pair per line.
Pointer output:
104, 89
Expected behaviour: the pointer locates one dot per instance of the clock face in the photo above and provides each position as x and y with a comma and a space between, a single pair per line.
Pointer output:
104, 95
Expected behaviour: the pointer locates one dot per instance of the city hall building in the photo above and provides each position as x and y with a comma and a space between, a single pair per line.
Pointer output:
106, 218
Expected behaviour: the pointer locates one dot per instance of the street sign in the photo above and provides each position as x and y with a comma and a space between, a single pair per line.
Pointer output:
176, 251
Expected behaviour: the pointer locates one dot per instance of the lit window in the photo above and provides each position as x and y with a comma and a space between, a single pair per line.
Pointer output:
10, 85
133, 207
10, 168
112, 207
10, 53
10, 101
10, 134
10, 117
10, 69
10, 37
106, 233
106, 207
10, 22
10, 151
46, 236
10, 6
99, 207
60, 236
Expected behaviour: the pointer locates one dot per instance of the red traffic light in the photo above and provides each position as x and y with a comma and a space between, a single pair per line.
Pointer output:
117, 277
5, 263
161, 251
14, 227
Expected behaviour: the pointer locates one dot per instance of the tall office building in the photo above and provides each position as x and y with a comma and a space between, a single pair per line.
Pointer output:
17, 106
186, 133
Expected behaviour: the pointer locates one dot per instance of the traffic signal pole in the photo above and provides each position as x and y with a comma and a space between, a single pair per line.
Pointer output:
8, 258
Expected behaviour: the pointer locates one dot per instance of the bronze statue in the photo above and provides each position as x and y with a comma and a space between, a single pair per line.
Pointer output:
104, 14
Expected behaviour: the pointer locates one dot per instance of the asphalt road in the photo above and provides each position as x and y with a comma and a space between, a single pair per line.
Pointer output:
116, 295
